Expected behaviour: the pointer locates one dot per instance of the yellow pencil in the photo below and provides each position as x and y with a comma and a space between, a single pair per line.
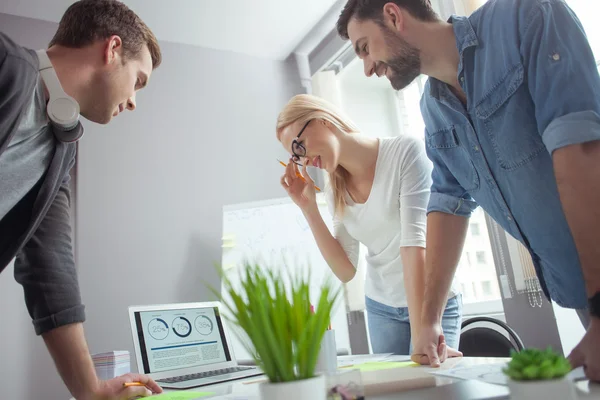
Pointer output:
299, 175
127, 384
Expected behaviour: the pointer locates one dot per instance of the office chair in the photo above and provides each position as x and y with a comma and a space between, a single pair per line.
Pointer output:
486, 341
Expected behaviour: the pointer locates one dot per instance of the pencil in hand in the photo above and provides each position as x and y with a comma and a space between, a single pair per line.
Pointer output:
299, 175
128, 384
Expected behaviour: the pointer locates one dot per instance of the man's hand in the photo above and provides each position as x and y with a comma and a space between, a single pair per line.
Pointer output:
430, 347
114, 390
587, 352
445, 239
69, 349
578, 178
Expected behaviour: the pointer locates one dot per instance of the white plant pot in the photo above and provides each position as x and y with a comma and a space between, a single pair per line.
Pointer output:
306, 389
562, 389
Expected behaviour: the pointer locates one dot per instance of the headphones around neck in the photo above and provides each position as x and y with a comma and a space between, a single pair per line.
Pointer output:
62, 109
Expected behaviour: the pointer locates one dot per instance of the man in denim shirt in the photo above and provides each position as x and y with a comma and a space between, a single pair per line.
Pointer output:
512, 115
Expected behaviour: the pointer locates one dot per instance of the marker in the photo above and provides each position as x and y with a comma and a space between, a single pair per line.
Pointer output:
299, 175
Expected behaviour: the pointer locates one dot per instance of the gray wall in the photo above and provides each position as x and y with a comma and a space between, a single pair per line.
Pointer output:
151, 186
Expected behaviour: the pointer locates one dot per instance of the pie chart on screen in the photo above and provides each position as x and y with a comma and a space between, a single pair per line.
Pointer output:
158, 329
204, 325
182, 327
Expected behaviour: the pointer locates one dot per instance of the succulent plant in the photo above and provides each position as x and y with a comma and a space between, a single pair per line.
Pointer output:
535, 364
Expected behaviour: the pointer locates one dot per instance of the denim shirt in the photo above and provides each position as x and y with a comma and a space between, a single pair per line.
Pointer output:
532, 87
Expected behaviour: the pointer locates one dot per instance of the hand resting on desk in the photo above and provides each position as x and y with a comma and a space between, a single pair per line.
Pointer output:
587, 352
114, 389
430, 347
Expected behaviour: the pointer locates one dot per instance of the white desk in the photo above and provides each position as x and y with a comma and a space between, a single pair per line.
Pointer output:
246, 387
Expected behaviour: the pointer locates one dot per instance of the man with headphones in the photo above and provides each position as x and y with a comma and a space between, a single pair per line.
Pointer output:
100, 56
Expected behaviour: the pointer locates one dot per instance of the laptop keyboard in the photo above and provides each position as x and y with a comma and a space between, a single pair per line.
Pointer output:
207, 374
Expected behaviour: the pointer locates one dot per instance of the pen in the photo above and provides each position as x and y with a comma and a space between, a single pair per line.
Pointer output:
128, 384
299, 175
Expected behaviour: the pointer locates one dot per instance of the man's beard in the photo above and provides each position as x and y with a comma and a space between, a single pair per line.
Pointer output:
405, 62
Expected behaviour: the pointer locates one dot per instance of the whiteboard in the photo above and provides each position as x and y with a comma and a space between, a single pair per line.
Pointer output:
273, 232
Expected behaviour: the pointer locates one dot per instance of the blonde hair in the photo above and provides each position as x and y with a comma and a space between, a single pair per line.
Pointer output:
305, 107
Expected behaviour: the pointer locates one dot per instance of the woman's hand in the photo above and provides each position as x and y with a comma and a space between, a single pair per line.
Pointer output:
300, 187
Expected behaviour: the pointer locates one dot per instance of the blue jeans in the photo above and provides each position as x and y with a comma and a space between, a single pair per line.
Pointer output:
389, 327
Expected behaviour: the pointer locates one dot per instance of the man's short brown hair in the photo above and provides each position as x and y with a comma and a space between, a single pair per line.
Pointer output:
86, 21
364, 10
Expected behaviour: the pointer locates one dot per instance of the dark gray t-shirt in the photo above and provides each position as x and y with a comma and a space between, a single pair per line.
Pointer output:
37, 229
28, 154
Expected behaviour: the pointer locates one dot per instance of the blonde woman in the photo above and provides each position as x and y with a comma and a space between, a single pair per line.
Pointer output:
378, 193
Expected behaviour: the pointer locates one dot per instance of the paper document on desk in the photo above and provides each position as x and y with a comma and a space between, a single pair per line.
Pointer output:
396, 358
492, 373
344, 361
489, 373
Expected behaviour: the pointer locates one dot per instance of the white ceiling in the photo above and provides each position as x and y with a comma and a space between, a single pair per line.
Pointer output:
262, 28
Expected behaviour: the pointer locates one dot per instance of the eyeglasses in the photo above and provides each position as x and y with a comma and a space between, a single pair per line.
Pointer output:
298, 149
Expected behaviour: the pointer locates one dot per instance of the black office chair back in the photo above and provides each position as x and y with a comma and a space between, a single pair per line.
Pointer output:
488, 342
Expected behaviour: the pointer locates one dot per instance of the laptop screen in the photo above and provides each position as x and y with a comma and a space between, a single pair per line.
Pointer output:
176, 339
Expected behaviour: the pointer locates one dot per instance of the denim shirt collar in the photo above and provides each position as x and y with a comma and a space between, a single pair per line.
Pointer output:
465, 37
464, 33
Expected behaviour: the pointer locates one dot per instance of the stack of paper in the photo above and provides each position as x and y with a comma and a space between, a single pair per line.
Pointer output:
112, 364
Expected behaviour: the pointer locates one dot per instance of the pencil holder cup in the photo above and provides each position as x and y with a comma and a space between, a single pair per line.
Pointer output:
327, 361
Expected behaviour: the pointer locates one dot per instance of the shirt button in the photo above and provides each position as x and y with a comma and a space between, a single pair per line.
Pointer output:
508, 218
556, 56
462, 78
476, 148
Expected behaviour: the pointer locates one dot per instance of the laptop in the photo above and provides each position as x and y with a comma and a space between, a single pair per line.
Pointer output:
185, 345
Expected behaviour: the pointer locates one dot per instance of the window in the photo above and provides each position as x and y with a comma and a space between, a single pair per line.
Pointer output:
469, 291
480, 257
587, 12
486, 288
468, 256
475, 231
